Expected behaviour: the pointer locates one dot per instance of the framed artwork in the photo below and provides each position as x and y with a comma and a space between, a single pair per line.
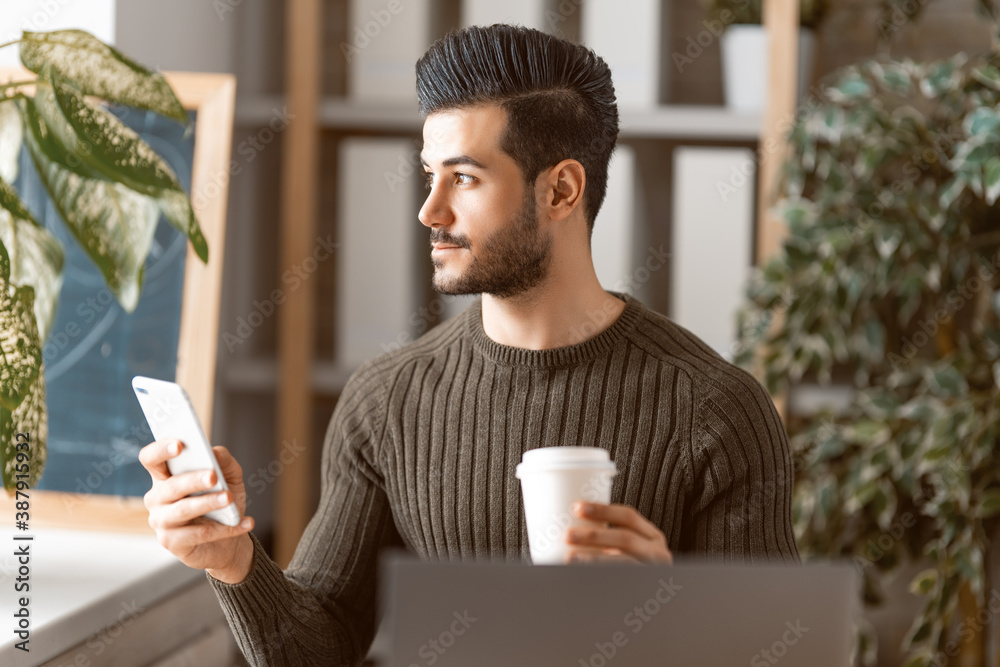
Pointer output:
93, 478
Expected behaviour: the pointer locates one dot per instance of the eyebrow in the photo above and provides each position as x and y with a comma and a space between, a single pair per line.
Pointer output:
460, 159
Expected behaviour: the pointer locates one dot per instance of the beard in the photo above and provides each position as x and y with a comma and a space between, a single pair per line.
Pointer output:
511, 261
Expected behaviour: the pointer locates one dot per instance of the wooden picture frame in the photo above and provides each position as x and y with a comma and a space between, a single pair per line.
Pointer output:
213, 98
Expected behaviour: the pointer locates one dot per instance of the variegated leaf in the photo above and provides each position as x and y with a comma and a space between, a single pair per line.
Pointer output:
98, 69
31, 419
115, 225
20, 346
101, 141
35, 255
112, 149
10, 140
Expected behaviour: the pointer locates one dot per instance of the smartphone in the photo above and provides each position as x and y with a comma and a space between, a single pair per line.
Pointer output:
172, 417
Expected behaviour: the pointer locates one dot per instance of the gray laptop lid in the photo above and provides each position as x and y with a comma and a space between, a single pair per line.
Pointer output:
486, 614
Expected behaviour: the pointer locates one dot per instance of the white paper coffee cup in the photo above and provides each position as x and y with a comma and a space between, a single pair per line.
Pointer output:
552, 479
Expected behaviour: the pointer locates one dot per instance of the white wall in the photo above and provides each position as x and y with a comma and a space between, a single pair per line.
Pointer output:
185, 35
627, 36
530, 13
712, 240
613, 242
191, 35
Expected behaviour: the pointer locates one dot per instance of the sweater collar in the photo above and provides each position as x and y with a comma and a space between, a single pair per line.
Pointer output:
555, 357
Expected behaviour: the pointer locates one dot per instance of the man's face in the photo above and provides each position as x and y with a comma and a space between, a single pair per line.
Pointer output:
485, 235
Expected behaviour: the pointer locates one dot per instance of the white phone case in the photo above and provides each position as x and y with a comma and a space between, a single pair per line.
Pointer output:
172, 417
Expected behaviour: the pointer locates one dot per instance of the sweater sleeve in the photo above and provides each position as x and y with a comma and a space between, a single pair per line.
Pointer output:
742, 475
322, 609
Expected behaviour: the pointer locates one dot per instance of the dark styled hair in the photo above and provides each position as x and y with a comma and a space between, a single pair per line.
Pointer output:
558, 96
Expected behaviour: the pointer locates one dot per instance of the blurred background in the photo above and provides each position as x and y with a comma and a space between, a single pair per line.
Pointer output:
328, 222
248, 39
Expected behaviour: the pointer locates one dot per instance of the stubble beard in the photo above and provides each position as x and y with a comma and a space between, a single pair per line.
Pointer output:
513, 260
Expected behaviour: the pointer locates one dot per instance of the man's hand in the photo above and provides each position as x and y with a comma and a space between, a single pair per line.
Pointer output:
628, 537
225, 551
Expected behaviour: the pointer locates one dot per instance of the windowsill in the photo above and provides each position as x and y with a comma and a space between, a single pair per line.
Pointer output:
81, 582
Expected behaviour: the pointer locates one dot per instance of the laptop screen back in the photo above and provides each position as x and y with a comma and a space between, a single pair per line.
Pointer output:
487, 614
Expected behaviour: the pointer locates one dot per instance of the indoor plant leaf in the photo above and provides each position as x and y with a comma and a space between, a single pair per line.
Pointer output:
36, 257
30, 418
983, 121
989, 504
20, 346
11, 202
11, 133
991, 179
924, 582
951, 190
102, 141
105, 183
177, 208
34, 110
98, 69
988, 75
109, 147
113, 224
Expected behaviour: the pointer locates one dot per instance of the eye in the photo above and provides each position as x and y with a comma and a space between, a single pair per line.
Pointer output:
428, 180
464, 179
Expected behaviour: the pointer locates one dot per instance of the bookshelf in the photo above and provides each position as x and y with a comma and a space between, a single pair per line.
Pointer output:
671, 122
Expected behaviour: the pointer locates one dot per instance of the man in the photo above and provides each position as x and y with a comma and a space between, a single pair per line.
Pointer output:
421, 449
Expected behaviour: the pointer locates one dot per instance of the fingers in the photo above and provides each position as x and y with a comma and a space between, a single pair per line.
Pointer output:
609, 538
231, 470
176, 487
186, 510
624, 541
626, 531
619, 515
153, 457
201, 531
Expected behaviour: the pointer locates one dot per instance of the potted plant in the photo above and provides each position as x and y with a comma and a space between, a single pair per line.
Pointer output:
744, 48
109, 187
888, 282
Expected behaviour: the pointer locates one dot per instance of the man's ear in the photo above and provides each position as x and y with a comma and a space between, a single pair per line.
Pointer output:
562, 189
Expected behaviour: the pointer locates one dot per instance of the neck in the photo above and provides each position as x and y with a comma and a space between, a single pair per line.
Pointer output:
567, 308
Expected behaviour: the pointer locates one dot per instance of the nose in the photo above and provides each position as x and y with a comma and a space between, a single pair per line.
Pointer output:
436, 212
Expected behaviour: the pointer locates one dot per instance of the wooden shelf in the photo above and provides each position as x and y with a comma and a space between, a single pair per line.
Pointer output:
689, 122
261, 376
665, 122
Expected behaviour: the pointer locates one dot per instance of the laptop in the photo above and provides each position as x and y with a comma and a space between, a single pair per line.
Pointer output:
490, 614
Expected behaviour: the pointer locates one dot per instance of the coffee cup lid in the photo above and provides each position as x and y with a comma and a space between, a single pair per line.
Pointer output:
564, 458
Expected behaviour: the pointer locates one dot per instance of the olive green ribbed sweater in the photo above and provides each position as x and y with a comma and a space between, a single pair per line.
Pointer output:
422, 446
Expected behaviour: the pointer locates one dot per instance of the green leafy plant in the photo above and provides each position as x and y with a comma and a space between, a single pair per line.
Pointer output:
108, 185
888, 282
733, 12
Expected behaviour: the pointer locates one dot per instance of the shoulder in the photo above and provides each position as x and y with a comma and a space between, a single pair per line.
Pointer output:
736, 429
383, 372
716, 384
